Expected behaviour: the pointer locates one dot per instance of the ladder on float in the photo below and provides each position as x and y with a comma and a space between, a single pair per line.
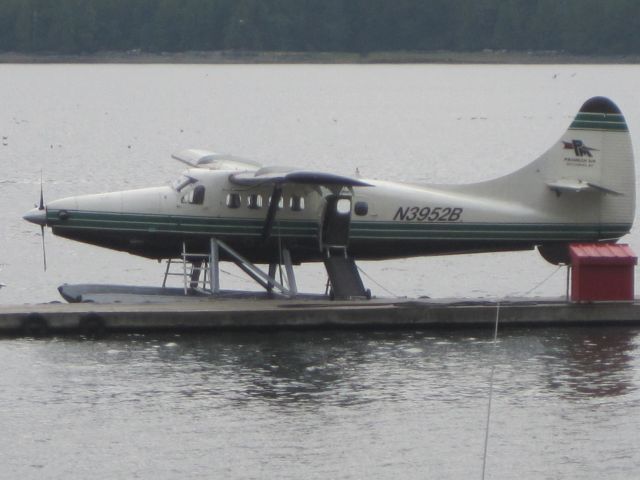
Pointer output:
194, 269
207, 266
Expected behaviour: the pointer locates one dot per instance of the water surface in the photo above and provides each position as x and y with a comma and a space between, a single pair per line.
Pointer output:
344, 405
322, 405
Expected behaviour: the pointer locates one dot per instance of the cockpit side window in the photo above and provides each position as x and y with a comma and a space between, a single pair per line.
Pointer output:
195, 196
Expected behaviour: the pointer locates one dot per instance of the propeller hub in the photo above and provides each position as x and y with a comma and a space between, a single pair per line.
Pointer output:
37, 216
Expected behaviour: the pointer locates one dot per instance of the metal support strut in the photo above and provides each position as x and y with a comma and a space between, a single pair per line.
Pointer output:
209, 264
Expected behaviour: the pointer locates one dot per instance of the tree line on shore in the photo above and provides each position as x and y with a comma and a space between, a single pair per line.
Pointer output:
88, 26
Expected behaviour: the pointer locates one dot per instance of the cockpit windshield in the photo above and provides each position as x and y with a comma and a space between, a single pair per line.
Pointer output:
183, 181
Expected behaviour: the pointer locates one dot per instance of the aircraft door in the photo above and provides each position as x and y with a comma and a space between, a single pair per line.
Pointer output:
337, 221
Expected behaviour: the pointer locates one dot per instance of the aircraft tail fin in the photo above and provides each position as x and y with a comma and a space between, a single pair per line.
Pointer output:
594, 154
584, 183
587, 177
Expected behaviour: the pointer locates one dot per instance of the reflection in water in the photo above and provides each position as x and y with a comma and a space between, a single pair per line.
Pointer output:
335, 368
326, 404
329, 367
349, 368
591, 362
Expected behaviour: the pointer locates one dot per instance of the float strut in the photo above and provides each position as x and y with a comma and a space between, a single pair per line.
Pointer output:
214, 266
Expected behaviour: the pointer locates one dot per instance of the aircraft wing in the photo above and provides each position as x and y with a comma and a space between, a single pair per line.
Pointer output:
214, 161
279, 176
283, 175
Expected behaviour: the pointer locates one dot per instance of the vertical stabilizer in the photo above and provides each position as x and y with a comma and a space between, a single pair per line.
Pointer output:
586, 177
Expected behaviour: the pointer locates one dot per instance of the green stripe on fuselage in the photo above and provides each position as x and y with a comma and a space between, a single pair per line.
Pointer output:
485, 231
146, 223
360, 230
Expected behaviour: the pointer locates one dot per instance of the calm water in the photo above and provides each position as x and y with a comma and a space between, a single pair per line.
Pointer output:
312, 405
325, 405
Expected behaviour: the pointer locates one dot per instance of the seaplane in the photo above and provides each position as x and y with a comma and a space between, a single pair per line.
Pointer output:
228, 209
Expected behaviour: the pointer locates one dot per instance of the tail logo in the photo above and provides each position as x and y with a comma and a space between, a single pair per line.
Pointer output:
579, 148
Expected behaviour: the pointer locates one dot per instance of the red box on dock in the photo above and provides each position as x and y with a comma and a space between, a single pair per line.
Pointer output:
602, 272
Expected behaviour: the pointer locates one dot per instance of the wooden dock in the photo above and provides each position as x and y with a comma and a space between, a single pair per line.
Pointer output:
198, 314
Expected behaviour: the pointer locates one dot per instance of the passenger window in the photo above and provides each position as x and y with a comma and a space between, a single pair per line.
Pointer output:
254, 201
233, 200
296, 203
280, 203
361, 208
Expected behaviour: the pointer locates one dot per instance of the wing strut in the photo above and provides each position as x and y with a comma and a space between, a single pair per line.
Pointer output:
271, 213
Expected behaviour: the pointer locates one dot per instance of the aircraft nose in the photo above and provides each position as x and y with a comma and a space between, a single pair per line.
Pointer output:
37, 216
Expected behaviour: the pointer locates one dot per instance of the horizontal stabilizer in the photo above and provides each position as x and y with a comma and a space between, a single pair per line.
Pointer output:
576, 186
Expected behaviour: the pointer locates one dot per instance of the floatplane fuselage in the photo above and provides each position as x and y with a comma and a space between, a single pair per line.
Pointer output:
581, 190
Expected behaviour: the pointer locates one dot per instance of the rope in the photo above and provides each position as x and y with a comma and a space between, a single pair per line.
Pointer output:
383, 288
244, 279
534, 288
493, 368
547, 278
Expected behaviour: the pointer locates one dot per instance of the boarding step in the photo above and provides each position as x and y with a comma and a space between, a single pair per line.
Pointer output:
345, 278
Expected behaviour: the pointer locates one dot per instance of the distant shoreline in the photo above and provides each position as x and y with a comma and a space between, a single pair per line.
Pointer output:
232, 57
